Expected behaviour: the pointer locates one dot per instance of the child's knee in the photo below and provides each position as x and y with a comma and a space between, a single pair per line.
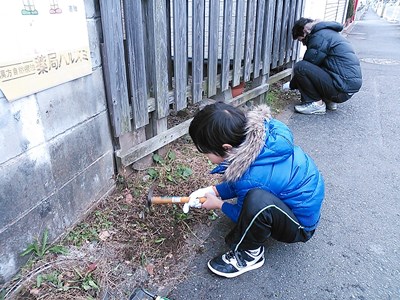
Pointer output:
301, 67
257, 199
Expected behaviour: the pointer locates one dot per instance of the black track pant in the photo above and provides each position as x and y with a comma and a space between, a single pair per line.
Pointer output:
315, 84
264, 215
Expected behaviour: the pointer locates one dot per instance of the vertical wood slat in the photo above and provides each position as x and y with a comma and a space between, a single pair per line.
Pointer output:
277, 33
268, 36
213, 27
258, 38
180, 53
299, 12
169, 50
117, 91
289, 41
284, 30
226, 39
197, 50
136, 63
158, 55
249, 40
239, 40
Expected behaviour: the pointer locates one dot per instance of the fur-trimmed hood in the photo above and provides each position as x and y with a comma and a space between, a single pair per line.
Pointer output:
266, 142
268, 160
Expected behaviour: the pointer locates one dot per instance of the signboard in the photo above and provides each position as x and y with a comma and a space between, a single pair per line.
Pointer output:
43, 43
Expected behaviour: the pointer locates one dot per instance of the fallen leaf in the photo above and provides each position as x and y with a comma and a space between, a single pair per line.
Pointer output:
129, 198
150, 269
104, 235
91, 267
34, 291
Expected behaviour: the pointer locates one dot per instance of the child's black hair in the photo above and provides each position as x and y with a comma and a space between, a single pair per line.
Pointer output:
298, 27
217, 124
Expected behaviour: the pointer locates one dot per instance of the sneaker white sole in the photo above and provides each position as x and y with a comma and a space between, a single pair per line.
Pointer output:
239, 272
313, 113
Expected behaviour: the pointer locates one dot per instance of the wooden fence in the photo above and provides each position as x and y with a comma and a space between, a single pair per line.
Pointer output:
160, 55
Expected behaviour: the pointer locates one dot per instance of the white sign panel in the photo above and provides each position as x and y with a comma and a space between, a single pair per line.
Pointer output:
43, 43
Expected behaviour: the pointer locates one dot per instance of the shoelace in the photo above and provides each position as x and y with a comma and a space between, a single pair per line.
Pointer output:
238, 256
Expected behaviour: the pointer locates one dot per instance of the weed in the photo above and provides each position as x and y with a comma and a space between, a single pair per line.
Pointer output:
88, 282
212, 215
159, 241
83, 232
70, 280
153, 173
272, 98
102, 220
166, 170
54, 279
178, 214
89, 232
41, 248
171, 155
143, 259
184, 172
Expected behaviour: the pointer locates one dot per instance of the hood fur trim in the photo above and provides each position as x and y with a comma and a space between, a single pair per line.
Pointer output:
242, 157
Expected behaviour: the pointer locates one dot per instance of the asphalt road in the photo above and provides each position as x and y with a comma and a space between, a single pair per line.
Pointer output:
355, 253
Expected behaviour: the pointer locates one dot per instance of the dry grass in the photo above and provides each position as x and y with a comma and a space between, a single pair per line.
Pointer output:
123, 244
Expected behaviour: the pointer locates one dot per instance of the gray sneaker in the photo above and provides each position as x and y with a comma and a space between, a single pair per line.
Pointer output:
311, 108
331, 105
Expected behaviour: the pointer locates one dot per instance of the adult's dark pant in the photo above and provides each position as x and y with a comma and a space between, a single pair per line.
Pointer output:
315, 84
264, 215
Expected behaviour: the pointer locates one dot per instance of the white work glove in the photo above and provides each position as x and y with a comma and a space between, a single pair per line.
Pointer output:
194, 200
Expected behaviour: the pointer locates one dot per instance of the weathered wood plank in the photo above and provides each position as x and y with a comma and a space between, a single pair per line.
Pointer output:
289, 43
299, 12
278, 76
238, 49
169, 37
213, 47
156, 19
258, 38
114, 64
197, 50
180, 53
226, 44
254, 93
284, 31
249, 40
136, 62
153, 144
268, 36
277, 33
139, 151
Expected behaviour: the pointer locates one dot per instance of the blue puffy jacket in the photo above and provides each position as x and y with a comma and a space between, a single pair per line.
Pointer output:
269, 160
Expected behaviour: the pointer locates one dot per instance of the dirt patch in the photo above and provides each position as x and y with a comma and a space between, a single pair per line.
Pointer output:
123, 244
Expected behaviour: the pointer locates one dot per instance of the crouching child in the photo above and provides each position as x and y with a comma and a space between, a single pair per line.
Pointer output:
278, 188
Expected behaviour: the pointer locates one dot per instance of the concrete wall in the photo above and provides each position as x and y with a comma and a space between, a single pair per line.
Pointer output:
56, 157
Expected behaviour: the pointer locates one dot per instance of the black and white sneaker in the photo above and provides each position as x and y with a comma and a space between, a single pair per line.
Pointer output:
234, 263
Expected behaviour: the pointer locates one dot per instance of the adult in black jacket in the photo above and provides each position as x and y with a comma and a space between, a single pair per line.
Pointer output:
330, 71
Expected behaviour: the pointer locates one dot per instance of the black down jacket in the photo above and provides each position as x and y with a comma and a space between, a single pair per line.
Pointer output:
328, 49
